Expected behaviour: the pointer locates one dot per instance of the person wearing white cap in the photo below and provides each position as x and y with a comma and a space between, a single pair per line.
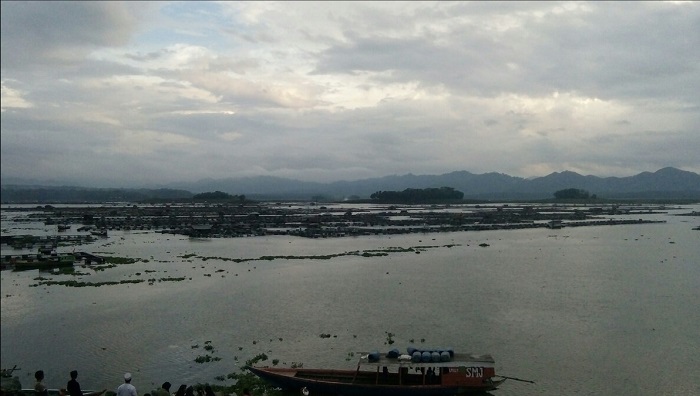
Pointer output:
126, 389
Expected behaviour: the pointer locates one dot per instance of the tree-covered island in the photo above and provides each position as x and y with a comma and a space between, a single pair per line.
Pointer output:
418, 195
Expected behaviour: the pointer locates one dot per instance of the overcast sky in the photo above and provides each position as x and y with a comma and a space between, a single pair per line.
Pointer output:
130, 94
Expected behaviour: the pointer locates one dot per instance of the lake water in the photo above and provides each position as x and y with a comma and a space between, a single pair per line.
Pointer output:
607, 310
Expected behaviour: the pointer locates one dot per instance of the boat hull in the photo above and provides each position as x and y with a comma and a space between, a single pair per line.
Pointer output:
351, 383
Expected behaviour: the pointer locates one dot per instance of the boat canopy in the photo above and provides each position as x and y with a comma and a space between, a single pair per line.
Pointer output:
458, 360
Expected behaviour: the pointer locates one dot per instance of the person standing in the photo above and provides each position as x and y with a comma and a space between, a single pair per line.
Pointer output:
164, 390
126, 389
40, 389
73, 387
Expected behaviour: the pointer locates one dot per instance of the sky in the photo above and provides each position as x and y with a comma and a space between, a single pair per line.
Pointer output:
120, 94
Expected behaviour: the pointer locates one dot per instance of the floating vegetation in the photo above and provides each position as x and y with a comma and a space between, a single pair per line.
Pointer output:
112, 261
363, 253
103, 267
172, 279
207, 357
74, 283
168, 279
389, 338
120, 260
247, 380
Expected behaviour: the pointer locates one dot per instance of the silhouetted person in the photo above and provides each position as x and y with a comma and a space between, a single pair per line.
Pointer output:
164, 390
181, 390
188, 392
73, 387
208, 391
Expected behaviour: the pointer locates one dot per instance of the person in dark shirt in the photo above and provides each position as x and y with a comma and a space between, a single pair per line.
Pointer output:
73, 387
40, 388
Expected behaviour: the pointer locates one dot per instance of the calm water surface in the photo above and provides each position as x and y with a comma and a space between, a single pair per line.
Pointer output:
610, 310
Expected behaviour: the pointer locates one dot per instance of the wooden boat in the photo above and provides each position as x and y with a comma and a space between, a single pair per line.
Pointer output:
460, 374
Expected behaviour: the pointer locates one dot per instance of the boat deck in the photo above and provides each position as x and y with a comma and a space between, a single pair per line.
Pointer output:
369, 378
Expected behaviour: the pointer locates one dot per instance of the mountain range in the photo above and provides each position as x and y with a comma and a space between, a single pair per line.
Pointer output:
662, 184
666, 183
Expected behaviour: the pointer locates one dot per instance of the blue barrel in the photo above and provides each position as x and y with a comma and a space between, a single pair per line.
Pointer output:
426, 357
415, 357
393, 354
410, 350
444, 356
451, 352
373, 357
435, 356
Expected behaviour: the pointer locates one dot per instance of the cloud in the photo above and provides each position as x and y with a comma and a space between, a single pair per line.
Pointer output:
12, 98
60, 33
322, 91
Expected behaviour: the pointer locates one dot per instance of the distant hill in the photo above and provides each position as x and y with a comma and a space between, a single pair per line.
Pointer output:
662, 184
666, 183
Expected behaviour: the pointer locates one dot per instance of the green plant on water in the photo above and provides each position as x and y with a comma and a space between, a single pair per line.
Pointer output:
389, 338
171, 279
247, 380
364, 253
206, 359
103, 267
119, 260
73, 283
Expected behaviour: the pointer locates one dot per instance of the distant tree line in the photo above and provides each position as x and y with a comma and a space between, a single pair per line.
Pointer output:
573, 193
417, 195
218, 196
